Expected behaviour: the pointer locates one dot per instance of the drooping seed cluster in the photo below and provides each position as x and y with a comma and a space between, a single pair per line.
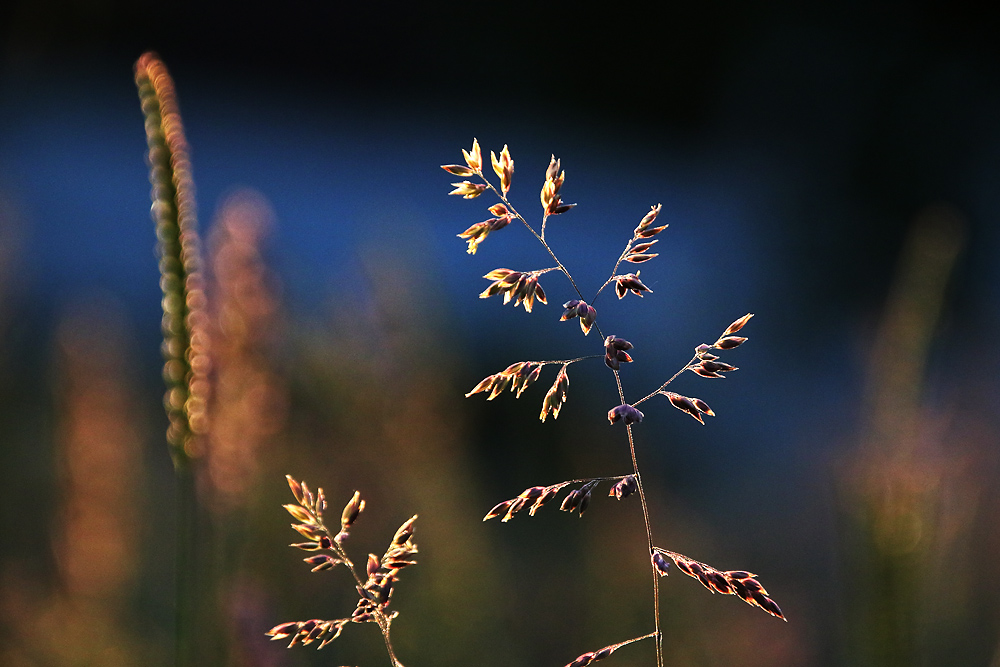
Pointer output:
625, 413
520, 286
707, 365
478, 232
624, 487
583, 310
522, 374
577, 500
518, 376
742, 584
374, 594
556, 395
615, 352
629, 282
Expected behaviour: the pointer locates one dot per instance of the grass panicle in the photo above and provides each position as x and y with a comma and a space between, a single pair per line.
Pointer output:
381, 574
522, 287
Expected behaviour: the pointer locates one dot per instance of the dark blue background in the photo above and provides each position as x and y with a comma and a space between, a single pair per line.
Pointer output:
792, 148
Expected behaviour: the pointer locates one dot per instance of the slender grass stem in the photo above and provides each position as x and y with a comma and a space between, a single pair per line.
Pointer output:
186, 608
614, 271
539, 237
184, 343
649, 529
621, 394
664, 385
569, 361
384, 622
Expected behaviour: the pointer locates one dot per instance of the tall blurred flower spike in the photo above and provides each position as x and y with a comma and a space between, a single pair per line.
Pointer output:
185, 342
185, 322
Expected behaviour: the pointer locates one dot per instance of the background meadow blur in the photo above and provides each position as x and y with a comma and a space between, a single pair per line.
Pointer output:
833, 170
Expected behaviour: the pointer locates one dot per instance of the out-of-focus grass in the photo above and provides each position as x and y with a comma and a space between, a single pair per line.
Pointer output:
914, 525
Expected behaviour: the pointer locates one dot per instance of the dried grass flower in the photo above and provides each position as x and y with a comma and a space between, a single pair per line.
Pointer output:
521, 287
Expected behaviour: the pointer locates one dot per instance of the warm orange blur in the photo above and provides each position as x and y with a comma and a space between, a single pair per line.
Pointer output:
96, 536
249, 399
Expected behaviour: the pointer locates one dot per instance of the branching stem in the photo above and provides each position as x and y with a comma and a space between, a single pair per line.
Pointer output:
649, 530
621, 395
540, 237
384, 621
664, 385
614, 271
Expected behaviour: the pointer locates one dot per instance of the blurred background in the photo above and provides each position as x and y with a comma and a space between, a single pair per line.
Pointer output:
832, 169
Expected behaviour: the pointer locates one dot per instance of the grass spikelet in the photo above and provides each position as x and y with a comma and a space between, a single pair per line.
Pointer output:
374, 587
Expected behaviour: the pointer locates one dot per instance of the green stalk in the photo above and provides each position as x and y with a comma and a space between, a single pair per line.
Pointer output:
184, 343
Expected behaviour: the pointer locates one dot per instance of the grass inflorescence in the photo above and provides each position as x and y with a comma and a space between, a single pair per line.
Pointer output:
523, 287
327, 547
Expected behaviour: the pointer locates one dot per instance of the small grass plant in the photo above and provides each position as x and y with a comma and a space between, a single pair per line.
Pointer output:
187, 363
523, 288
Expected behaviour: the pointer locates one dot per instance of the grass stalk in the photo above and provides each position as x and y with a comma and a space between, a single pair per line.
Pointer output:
184, 344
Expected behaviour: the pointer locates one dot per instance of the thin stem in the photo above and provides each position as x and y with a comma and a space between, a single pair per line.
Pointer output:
567, 362
388, 643
621, 394
649, 530
594, 479
384, 621
175, 219
541, 239
186, 587
617, 646
601, 288
664, 385
614, 271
